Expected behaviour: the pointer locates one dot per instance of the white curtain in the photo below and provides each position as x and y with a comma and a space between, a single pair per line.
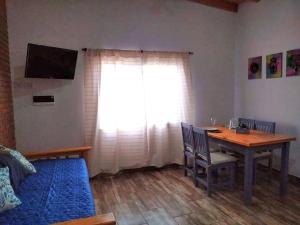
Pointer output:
134, 103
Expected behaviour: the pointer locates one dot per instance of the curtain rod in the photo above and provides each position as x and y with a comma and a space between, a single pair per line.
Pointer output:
190, 53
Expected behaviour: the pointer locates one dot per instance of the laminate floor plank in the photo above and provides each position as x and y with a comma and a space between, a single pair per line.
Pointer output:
128, 214
159, 216
166, 197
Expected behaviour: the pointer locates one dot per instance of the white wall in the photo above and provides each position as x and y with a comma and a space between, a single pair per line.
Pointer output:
270, 26
172, 25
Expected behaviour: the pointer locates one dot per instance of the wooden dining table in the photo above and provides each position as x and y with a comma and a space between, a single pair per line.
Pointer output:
247, 145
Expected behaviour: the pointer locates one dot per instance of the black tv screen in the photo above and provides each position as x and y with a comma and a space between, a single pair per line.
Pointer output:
50, 62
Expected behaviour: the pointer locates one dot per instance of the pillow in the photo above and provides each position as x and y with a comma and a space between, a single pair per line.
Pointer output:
16, 170
8, 199
20, 158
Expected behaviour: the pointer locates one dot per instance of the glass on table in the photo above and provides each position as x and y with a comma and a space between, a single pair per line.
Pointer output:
233, 123
213, 121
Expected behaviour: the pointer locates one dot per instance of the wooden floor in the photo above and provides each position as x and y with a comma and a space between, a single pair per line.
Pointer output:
165, 196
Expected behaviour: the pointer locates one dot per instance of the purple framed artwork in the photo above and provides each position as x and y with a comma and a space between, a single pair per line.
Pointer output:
254, 68
293, 63
274, 65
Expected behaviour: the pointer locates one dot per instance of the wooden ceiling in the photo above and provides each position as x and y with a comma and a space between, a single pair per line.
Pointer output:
229, 5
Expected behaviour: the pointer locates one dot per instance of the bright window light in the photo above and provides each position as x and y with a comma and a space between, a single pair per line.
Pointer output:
133, 96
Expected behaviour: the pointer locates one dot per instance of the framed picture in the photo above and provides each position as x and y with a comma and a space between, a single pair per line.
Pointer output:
274, 65
254, 68
293, 63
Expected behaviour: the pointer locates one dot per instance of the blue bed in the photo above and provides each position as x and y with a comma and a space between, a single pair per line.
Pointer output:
59, 191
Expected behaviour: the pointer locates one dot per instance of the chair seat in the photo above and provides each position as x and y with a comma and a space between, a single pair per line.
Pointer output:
262, 155
188, 148
189, 154
214, 150
211, 149
219, 157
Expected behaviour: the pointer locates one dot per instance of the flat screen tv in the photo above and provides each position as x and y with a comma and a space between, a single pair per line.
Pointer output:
50, 62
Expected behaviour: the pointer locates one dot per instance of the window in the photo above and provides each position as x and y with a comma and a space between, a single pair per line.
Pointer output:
134, 103
137, 92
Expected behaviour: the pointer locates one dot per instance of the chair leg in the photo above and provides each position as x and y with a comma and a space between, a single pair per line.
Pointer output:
195, 173
270, 168
209, 181
185, 165
254, 172
232, 176
215, 174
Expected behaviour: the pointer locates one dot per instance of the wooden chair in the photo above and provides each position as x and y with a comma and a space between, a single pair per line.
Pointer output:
248, 122
267, 127
187, 137
211, 162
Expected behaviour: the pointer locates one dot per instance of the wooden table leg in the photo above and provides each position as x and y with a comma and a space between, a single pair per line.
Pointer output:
284, 168
248, 178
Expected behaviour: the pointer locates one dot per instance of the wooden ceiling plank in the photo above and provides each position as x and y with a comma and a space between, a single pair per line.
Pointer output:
242, 1
221, 4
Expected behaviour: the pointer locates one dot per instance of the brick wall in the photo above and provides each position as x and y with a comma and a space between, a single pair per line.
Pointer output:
7, 136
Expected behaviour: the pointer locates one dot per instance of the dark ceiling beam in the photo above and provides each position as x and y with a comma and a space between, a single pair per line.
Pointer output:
221, 4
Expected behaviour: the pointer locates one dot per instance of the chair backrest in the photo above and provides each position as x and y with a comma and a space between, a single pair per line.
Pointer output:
248, 122
201, 145
187, 136
268, 127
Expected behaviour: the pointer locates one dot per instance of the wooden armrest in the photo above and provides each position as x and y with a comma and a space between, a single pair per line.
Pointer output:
58, 152
105, 219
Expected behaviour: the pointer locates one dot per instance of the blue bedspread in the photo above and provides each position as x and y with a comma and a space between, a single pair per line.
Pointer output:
60, 191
